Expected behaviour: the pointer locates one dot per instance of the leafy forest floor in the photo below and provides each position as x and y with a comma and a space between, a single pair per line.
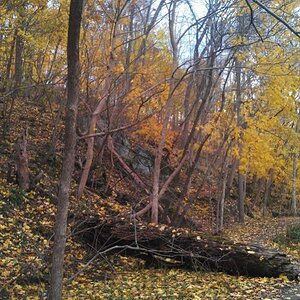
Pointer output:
128, 279
26, 224
25, 253
184, 121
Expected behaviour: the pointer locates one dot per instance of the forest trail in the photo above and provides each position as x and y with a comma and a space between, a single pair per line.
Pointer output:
262, 232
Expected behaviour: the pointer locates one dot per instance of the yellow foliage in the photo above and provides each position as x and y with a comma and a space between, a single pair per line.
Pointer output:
150, 130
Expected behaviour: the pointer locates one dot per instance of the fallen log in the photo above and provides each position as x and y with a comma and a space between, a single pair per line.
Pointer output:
170, 247
281, 214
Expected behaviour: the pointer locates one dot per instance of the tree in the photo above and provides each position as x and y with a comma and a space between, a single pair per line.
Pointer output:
73, 89
294, 177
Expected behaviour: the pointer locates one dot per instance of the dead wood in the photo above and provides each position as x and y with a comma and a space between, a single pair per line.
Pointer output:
166, 246
279, 214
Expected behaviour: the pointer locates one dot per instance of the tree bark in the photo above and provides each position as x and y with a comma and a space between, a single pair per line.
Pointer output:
241, 197
164, 131
18, 61
238, 105
90, 149
231, 176
258, 189
133, 174
241, 177
22, 162
96, 114
187, 113
221, 200
294, 189
191, 251
187, 183
267, 192
73, 89
9, 62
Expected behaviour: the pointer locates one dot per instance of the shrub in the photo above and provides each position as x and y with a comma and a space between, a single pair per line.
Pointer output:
293, 233
292, 236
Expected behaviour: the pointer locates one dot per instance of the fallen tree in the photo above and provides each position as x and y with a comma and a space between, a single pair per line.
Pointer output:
281, 214
168, 247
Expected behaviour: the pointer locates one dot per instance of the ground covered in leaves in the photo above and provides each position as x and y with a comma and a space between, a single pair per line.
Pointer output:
132, 281
267, 232
26, 226
26, 221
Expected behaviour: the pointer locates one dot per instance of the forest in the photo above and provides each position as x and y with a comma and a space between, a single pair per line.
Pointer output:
149, 149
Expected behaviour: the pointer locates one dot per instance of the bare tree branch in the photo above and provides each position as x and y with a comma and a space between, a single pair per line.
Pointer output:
278, 18
252, 20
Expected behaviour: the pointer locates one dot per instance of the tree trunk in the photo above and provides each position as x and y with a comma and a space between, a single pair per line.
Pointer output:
73, 89
7, 87
241, 197
125, 166
294, 190
221, 201
95, 116
9, 62
22, 162
158, 246
259, 187
241, 177
19, 61
187, 113
164, 131
90, 149
267, 192
187, 183
231, 176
